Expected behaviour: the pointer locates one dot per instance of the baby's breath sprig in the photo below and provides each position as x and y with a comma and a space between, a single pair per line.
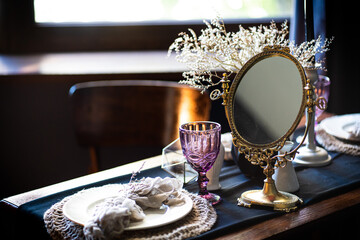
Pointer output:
306, 51
128, 189
217, 51
135, 173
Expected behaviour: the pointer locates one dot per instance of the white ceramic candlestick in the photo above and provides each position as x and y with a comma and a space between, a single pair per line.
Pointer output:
214, 172
310, 154
285, 178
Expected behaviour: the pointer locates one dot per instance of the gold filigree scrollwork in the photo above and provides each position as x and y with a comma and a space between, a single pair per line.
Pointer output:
260, 156
277, 48
321, 103
282, 159
216, 94
311, 99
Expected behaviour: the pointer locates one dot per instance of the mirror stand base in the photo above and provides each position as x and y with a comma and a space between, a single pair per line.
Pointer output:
270, 197
317, 157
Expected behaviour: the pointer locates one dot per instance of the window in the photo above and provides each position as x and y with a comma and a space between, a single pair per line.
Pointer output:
116, 25
123, 11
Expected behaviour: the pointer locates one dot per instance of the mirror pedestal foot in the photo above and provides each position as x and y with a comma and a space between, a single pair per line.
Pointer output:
270, 197
316, 157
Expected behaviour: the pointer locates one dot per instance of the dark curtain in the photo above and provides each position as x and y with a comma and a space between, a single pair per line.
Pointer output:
337, 19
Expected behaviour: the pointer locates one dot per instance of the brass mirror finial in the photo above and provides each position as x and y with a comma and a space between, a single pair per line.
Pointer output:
225, 86
310, 97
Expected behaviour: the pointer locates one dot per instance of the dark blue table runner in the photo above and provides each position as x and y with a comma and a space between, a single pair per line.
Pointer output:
342, 175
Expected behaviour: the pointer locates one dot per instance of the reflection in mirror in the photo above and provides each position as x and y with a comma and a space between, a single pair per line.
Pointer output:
267, 100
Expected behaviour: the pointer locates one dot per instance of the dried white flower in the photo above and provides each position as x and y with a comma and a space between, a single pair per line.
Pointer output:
217, 50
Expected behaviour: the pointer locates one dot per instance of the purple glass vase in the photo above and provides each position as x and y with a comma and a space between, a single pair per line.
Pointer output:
200, 143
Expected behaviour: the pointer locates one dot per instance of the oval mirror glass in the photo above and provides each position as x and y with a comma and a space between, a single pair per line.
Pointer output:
268, 99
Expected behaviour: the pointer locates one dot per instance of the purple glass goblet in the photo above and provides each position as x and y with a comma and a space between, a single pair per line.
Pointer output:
200, 142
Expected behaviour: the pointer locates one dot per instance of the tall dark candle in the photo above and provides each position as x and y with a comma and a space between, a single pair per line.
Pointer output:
309, 20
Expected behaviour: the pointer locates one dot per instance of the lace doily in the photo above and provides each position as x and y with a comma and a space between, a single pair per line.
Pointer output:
331, 143
201, 218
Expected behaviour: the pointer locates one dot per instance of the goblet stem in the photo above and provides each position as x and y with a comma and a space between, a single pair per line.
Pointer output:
212, 198
203, 181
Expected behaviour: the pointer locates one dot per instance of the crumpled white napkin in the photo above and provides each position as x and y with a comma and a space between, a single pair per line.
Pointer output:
153, 192
115, 214
355, 132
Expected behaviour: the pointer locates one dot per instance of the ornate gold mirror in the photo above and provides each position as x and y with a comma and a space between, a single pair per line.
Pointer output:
264, 105
267, 99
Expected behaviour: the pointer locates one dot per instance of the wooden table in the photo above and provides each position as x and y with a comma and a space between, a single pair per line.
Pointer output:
336, 216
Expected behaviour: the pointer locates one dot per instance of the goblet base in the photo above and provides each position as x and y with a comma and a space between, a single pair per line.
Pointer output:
212, 198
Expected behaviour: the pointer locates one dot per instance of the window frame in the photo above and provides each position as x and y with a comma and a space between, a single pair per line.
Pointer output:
20, 34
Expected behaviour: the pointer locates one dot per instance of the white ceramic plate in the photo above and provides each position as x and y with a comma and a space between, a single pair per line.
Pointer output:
80, 208
342, 126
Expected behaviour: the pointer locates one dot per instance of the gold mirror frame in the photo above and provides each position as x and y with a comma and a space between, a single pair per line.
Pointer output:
265, 155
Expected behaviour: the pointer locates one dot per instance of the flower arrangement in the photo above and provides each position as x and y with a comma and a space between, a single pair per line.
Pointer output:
217, 50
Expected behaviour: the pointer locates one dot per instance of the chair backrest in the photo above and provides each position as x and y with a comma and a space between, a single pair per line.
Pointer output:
134, 112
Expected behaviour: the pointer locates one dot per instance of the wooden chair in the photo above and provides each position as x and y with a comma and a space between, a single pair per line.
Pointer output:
133, 113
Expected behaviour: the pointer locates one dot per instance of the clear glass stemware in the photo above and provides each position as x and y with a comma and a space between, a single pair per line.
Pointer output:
200, 142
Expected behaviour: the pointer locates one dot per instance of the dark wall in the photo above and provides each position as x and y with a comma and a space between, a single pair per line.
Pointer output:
37, 147
343, 57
